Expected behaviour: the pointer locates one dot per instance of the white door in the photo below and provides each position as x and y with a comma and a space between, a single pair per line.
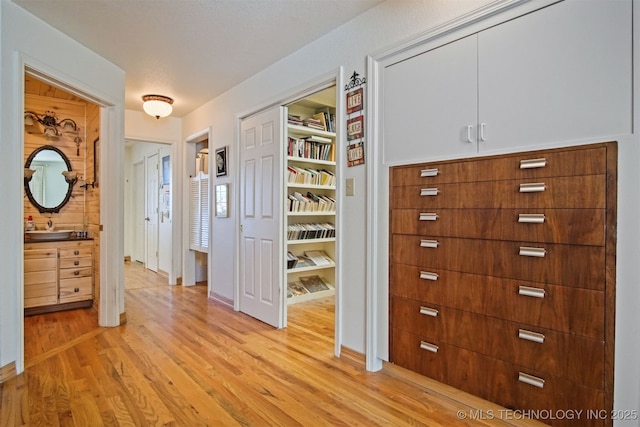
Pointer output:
152, 213
138, 212
261, 223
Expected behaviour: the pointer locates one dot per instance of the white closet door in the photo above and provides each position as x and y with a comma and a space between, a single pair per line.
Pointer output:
430, 104
559, 74
261, 219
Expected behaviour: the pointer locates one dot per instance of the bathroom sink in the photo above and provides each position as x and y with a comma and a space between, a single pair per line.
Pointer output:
49, 235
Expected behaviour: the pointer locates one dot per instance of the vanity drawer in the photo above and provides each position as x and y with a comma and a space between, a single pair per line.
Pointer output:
70, 273
560, 308
432, 173
573, 192
37, 277
41, 264
575, 226
75, 262
77, 289
40, 253
79, 251
567, 265
542, 164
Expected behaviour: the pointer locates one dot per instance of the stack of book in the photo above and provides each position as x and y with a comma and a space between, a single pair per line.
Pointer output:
297, 202
310, 231
312, 147
310, 176
294, 119
306, 285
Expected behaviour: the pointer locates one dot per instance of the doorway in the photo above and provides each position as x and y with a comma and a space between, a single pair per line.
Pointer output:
309, 269
147, 210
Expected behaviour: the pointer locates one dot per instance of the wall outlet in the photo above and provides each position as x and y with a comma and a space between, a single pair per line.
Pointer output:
350, 185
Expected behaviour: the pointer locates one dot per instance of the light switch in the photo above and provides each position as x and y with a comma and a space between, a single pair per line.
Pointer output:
350, 187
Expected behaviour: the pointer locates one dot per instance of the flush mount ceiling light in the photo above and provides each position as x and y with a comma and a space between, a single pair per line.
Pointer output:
157, 105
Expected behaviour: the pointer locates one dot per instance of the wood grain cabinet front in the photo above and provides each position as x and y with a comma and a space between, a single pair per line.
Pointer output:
502, 276
58, 275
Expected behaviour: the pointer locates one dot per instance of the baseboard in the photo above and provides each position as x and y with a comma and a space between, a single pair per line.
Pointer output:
163, 273
8, 372
123, 318
224, 300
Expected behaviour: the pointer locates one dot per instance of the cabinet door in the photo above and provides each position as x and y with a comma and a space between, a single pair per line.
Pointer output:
561, 73
429, 103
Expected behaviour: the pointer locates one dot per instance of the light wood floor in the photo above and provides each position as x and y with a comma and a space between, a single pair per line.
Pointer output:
184, 360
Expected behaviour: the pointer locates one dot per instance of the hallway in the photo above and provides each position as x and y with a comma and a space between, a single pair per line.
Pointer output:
184, 360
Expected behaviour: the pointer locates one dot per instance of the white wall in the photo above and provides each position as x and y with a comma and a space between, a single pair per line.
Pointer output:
27, 39
348, 46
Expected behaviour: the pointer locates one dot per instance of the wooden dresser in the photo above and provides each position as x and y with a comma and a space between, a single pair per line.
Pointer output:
58, 275
502, 277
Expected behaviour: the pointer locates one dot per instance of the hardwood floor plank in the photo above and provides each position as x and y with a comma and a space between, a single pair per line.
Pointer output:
185, 360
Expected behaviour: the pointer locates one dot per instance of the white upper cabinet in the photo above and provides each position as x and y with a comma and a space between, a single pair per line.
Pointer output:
430, 103
562, 73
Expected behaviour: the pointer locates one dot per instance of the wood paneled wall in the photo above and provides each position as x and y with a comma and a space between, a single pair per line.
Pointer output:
84, 207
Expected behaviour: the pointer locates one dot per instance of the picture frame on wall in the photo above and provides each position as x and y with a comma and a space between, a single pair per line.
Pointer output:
355, 128
221, 161
222, 200
354, 101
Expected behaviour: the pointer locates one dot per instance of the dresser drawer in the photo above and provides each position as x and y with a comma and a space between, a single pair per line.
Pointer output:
560, 308
562, 355
542, 164
567, 265
576, 226
496, 380
574, 192
36, 277
77, 289
41, 290
432, 173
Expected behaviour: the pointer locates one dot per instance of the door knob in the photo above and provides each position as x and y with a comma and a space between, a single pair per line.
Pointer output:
147, 219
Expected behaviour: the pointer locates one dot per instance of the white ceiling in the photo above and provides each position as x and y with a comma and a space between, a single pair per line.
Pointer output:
193, 50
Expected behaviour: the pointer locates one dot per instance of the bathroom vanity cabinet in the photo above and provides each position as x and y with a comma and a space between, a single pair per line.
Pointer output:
58, 275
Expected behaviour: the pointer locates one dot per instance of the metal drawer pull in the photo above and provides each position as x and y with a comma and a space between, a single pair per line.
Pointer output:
428, 243
428, 172
534, 252
530, 336
531, 292
531, 218
429, 311
76, 273
428, 346
76, 252
533, 163
76, 262
530, 379
429, 192
428, 216
428, 275
76, 289
534, 187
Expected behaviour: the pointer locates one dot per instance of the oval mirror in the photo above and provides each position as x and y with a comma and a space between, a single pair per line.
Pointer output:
47, 188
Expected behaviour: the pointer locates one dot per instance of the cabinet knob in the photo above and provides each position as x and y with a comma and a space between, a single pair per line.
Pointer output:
76, 262
76, 252
76, 289
76, 273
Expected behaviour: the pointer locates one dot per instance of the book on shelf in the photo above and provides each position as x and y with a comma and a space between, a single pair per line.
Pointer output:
298, 175
322, 119
313, 283
308, 231
292, 260
303, 148
309, 203
295, 289
304, 261
319, 258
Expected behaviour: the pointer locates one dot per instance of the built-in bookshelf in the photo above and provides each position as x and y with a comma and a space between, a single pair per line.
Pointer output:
311, 201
